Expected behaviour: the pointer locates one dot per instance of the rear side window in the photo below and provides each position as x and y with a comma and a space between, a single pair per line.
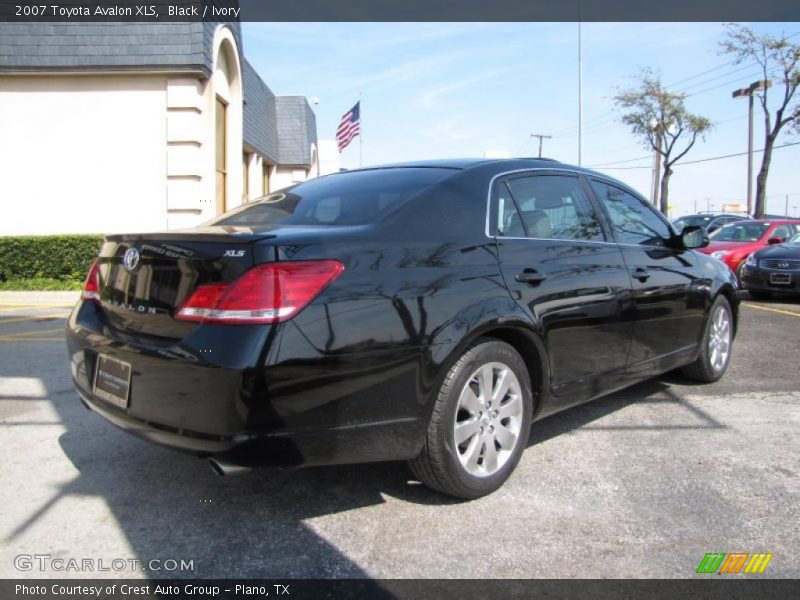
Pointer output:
549, 207
353, 198
634, 221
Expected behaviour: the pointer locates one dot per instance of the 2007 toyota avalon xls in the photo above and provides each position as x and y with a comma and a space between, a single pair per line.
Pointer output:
426, 312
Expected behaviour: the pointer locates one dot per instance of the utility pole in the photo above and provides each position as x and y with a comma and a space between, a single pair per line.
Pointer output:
580, 88
695, 206
657, 168
541, 137
748, 93
786, 210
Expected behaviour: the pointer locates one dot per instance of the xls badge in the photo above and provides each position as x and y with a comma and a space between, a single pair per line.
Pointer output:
131, 259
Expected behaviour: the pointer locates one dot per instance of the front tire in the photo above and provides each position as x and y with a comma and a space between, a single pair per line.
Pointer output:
715, 349
480, 423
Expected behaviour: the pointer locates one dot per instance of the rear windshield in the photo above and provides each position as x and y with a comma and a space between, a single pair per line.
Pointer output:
693, 221
740, 232
353, 198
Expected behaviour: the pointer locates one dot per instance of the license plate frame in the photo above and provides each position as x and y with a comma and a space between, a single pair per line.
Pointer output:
780, 278
112, 380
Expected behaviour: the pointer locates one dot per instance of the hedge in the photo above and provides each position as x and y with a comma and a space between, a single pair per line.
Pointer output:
56, 257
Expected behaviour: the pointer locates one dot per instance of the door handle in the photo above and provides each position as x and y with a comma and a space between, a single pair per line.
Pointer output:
641, 274
531, 277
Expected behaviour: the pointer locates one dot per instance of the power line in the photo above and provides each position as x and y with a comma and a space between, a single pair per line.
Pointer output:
600, 125
689, 162
602, 118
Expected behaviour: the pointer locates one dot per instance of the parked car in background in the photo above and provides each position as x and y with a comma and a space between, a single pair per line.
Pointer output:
773, 269
708, 221
427, 312
734, 242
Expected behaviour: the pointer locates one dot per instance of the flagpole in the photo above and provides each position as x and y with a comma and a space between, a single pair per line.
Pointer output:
360, 135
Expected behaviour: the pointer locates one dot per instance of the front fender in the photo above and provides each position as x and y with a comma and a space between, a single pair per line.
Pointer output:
721, 280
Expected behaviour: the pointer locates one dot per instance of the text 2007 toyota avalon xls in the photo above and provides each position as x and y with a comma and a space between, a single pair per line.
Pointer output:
427, 312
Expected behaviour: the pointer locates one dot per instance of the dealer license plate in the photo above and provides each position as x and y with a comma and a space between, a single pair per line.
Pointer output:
112, 380
780, 278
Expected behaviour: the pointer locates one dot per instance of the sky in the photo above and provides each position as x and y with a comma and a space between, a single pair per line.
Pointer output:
442, 90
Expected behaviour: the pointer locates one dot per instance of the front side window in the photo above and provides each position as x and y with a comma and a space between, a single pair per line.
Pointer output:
783, 231
633, 220
741, 231
550, 207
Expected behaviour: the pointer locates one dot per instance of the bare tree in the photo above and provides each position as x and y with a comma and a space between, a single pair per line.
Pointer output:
660, 119
777, 58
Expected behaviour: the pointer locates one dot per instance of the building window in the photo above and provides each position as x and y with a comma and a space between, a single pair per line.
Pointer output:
265, 188
221, 154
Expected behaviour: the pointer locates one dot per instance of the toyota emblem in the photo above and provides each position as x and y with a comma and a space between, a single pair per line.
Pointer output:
131, 259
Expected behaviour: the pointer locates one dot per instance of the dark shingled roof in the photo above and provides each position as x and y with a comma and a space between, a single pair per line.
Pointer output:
260, 118
297, 130
108, 46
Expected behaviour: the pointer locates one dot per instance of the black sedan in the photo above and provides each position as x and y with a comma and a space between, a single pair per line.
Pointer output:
425, 312
772, 269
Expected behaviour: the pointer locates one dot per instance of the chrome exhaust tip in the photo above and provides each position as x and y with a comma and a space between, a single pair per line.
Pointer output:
223, 468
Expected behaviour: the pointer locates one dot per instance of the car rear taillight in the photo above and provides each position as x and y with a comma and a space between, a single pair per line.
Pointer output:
268, 293
91, 287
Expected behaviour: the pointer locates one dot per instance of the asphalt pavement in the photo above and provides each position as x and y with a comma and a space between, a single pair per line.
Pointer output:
641, 483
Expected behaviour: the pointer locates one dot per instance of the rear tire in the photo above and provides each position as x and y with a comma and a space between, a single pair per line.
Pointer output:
480, 423
760, 294
716, 345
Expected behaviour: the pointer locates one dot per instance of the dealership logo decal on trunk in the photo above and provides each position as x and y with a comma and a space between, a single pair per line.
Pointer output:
716, 562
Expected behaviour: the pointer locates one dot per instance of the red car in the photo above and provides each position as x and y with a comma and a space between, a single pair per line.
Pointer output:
734, 242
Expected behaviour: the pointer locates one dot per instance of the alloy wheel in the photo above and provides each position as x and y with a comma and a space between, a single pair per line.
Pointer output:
719, 339
488, 419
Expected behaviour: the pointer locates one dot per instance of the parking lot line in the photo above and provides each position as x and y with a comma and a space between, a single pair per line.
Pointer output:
33, 319
775, 310
9, 306
31, 333
30, 340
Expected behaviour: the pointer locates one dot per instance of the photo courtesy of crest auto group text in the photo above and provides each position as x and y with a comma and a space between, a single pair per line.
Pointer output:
308, 299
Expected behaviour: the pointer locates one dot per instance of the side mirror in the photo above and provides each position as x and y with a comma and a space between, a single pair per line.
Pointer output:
775, 240
694, 237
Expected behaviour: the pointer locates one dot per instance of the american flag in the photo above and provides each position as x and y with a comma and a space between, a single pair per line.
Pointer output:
349, 127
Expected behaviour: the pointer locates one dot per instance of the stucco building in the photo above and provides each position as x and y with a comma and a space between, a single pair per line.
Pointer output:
139, 126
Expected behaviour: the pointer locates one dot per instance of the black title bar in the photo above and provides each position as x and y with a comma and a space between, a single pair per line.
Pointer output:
710, 588
54, 11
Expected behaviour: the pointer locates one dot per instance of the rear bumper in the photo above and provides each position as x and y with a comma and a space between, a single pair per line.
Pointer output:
223, 392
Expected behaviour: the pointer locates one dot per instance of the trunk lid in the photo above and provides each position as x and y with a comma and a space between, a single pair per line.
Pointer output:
144, 279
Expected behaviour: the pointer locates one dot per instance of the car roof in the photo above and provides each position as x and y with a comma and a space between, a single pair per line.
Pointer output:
714, 215
492, 165
777, 221
466, 163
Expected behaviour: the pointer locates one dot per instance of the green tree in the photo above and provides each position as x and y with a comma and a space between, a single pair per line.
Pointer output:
777, 58
659, 118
